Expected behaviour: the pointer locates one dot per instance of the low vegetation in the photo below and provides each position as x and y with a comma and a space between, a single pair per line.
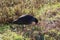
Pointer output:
47, 14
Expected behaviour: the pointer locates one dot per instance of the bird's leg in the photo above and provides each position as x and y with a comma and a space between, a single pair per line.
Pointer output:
24, 27
18, 29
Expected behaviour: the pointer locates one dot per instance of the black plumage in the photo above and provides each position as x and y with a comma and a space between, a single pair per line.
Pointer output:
25, 19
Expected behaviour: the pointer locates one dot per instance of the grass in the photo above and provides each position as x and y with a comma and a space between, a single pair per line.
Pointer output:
53, 34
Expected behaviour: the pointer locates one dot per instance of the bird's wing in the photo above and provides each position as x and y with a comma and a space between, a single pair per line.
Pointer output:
22, 15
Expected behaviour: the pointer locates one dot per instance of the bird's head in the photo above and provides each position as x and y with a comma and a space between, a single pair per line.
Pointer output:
35, 21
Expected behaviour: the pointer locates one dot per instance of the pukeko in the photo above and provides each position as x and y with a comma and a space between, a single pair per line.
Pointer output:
25, 20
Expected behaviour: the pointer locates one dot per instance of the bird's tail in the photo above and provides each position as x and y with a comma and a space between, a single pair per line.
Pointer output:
14, 22
10, 22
